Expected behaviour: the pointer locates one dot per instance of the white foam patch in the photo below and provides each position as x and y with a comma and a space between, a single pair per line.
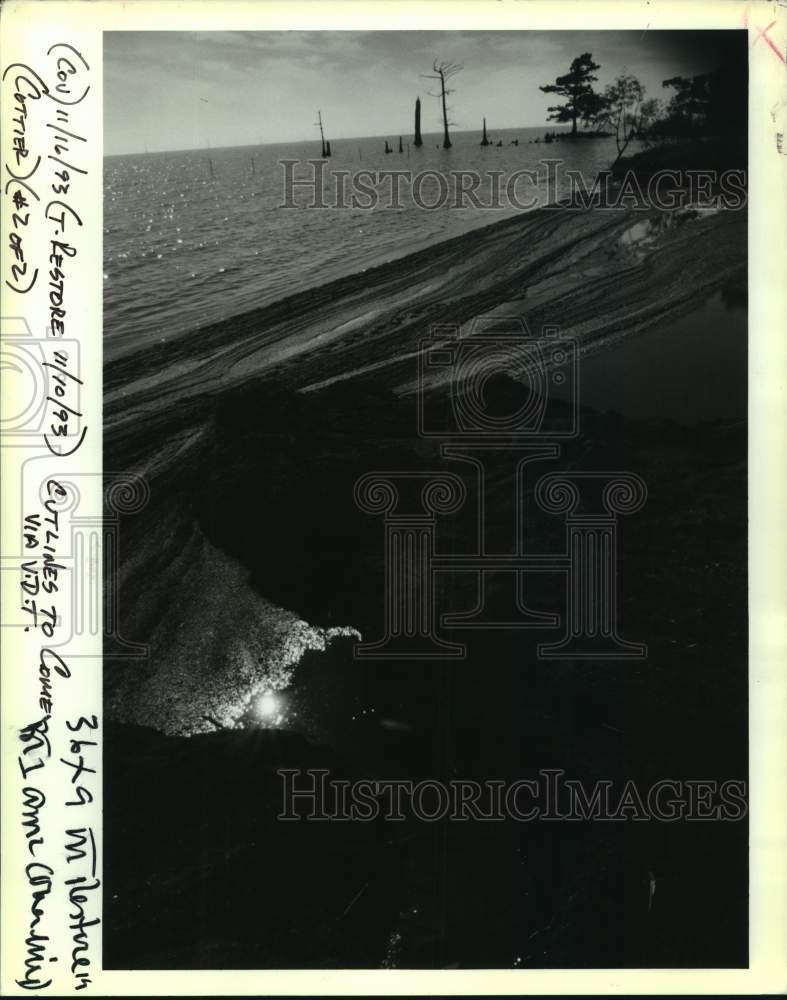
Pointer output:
218, 646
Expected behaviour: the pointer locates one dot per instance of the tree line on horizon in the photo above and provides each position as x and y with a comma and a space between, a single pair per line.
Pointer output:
705, 105
708, 104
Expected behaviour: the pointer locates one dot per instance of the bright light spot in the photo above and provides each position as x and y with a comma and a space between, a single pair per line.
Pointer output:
268, 706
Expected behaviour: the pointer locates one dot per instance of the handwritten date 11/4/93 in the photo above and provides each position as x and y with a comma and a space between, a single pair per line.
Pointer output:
67, 75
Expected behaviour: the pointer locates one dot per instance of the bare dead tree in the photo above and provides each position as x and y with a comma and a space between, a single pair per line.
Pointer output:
417, 141
442, 72
326, 147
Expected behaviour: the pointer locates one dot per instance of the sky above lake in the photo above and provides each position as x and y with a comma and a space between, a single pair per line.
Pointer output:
168, 90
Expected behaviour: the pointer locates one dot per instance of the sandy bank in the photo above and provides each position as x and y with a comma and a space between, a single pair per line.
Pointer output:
595, 273
251, 551
234, 427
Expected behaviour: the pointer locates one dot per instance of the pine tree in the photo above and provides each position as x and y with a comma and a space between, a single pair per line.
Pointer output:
577, 87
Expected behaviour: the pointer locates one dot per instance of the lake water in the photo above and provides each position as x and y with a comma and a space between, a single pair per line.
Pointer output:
194, 237
696, 368
689, 370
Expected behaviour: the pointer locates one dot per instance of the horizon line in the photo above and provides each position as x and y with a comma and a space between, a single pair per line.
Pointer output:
348, 138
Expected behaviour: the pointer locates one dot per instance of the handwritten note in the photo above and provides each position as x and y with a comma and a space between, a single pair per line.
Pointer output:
51, 163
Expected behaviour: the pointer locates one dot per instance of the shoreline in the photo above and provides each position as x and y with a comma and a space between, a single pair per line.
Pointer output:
225, 419
251, 556
572, 268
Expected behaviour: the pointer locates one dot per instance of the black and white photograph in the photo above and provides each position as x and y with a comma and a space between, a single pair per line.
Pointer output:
393, 445
428, 359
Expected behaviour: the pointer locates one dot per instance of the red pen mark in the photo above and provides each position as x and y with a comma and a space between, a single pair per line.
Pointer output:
762, 33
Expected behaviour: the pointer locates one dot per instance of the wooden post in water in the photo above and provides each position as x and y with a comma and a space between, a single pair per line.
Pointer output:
484, 141
417, 140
